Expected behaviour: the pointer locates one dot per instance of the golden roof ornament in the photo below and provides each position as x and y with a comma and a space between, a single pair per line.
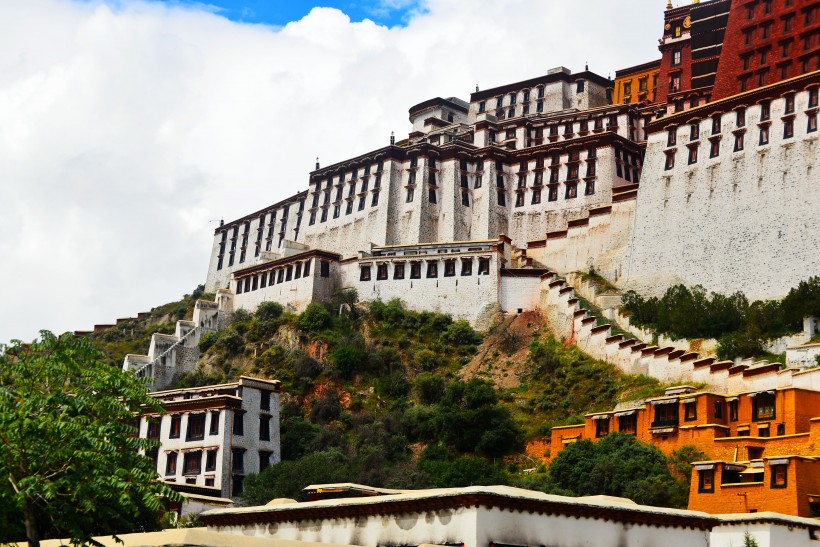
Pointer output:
669, 4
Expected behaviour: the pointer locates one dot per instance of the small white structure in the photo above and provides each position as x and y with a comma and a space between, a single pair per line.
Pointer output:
212, 436
803, 356
496, 516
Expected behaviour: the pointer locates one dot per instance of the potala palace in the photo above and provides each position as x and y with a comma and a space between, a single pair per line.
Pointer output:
699, 168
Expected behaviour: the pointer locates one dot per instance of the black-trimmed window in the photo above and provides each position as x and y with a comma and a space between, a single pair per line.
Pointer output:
238, 422
789, 108
718, 410
765, 110
788, 129
739, 141
693, 154
571, 191
449, 268
381, 272
306, 269
154, 428
324, 268
764, 135
665, 414
176, 426
602, 427
763, 407
264, 459
432, 269
536, 196
237, 485
289, 273
483, 266
364, 273
706, 481
264, 428
589, 188
733, 410
813, 97
196, 427
780, 475
398, 271
467, 267
811, 123
670, 161
171, 463
298, 273
280, 276
519, 199
502, 198
714, 148
740, 117
238, 460
210, 460
214, 425
694, 131
716, 124
192, 463
628, 424
690, 411
415, 270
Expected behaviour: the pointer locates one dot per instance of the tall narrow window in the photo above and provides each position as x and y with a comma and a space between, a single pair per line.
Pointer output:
214, 428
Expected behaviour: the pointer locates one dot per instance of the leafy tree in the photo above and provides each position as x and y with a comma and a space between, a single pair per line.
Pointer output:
617, 465
314, 319
68, 451
801, 301
289, 478
429, 387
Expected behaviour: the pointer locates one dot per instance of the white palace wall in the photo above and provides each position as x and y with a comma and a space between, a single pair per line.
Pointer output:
743, 221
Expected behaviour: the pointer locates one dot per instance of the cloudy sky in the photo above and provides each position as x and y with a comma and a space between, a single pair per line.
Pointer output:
127, 128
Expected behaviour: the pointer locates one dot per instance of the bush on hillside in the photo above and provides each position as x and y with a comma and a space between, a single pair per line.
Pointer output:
314, 319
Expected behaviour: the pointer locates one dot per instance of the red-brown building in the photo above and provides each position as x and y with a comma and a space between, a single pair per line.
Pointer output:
744, 432
767, 41
716, 49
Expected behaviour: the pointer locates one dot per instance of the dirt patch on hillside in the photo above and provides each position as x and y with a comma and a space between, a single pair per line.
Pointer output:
502, 357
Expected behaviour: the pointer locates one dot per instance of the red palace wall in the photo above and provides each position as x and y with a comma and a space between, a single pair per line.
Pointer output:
767, 41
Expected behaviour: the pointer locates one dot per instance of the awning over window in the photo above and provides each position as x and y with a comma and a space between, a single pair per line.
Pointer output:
688, 400
670, 401
601, 417
626, 413
662, 430
770, 392
782, 461
705, 467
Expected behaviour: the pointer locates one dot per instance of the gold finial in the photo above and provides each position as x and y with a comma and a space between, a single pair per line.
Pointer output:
668, 4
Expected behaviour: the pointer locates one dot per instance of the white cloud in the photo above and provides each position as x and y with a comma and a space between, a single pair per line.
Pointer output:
125, 130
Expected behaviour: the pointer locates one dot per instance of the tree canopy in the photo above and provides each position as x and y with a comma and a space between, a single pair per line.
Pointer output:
618, 465
70, 457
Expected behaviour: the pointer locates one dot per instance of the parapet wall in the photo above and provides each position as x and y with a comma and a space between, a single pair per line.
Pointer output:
598, 242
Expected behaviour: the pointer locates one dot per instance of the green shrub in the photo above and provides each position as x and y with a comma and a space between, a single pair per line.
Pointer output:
269, 311
314, 319
429, 388
230, 341
348, 360
394, 385
240, 316
460, 333
207, 340
428, 360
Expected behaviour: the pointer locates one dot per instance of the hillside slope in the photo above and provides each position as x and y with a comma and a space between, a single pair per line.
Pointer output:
390, 397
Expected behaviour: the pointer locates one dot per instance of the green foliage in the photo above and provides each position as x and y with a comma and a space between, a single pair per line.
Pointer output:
269, 311
469, 419
289, 478
314, 319
345, 299
741, 327
299, 437
66, 444
207, 341
460, 333
617, 465
429, 388
348, 359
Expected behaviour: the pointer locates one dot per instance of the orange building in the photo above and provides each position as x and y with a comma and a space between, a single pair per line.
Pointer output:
747, 430
636, 84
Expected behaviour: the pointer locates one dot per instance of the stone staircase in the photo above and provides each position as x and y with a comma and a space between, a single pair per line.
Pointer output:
171, 355
570, 321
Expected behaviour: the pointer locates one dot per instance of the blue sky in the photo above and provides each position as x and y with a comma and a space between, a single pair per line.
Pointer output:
280, 12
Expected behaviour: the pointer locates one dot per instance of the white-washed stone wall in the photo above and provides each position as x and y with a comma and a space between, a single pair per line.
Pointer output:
744, 221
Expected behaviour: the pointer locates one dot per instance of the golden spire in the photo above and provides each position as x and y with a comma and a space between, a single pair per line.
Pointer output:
668, 4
